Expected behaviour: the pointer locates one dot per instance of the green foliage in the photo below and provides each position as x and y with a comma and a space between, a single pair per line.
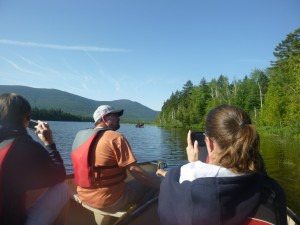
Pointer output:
271, 97
283, 97
188, 108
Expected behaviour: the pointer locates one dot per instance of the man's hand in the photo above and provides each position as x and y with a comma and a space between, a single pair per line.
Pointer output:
161, 173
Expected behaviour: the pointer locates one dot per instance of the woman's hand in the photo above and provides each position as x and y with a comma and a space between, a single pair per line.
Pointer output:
161, 173
44, 132
192, 149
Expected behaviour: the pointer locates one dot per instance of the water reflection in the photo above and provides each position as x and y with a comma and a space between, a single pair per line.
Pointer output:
282, 161
152, 142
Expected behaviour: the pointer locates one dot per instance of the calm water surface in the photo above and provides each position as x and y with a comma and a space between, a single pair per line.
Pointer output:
151, 142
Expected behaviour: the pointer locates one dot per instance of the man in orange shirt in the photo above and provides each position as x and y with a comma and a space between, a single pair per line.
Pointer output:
111, 156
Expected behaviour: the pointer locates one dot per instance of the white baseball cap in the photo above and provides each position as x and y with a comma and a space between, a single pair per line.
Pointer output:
106, 109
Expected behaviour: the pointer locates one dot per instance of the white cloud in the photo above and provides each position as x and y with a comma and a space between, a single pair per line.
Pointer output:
17, 67
31, 63
61, 47
106, 76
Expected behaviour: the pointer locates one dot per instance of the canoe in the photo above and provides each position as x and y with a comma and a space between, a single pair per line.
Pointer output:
139, 125
76, 213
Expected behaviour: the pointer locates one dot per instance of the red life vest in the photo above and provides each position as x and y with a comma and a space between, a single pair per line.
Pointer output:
81, 149
5, 146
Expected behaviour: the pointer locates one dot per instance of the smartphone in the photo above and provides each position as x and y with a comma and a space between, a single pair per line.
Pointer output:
199, 136
32, 124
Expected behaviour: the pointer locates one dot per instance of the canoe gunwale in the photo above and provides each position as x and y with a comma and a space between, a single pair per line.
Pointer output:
293, 216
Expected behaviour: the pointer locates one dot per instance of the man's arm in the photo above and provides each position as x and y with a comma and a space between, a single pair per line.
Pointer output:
141, 175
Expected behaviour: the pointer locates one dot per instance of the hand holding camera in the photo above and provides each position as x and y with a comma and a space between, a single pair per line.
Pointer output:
192, 149
32, 124
194, 141
42, 130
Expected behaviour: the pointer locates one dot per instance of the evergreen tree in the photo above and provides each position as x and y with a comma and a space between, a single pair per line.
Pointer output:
271, 97
283, 96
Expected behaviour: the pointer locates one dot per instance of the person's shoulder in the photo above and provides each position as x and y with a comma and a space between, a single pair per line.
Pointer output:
27, 144
272, 184
113, 134
25, 138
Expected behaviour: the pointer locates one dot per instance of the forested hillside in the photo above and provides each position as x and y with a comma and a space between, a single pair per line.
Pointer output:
270, 96
55, 104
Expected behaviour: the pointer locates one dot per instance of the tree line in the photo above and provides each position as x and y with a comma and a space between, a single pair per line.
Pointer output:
60, 115
270, 96
56, 115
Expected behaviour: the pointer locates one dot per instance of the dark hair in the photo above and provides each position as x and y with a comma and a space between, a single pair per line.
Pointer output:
231, 128
13, 109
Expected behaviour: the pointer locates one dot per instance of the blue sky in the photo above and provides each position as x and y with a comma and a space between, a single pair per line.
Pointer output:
141, 50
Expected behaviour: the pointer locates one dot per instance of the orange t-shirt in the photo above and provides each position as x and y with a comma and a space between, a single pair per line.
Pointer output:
111, 149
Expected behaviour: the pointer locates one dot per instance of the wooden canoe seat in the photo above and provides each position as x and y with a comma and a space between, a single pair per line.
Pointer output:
102, 217
98, 211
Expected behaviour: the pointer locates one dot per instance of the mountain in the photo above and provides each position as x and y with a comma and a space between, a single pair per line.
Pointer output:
43, 98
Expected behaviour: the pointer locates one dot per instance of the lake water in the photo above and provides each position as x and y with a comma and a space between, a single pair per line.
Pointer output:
149, 143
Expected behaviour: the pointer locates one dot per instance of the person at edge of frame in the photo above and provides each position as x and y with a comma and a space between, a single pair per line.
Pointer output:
25, 164
232, 187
